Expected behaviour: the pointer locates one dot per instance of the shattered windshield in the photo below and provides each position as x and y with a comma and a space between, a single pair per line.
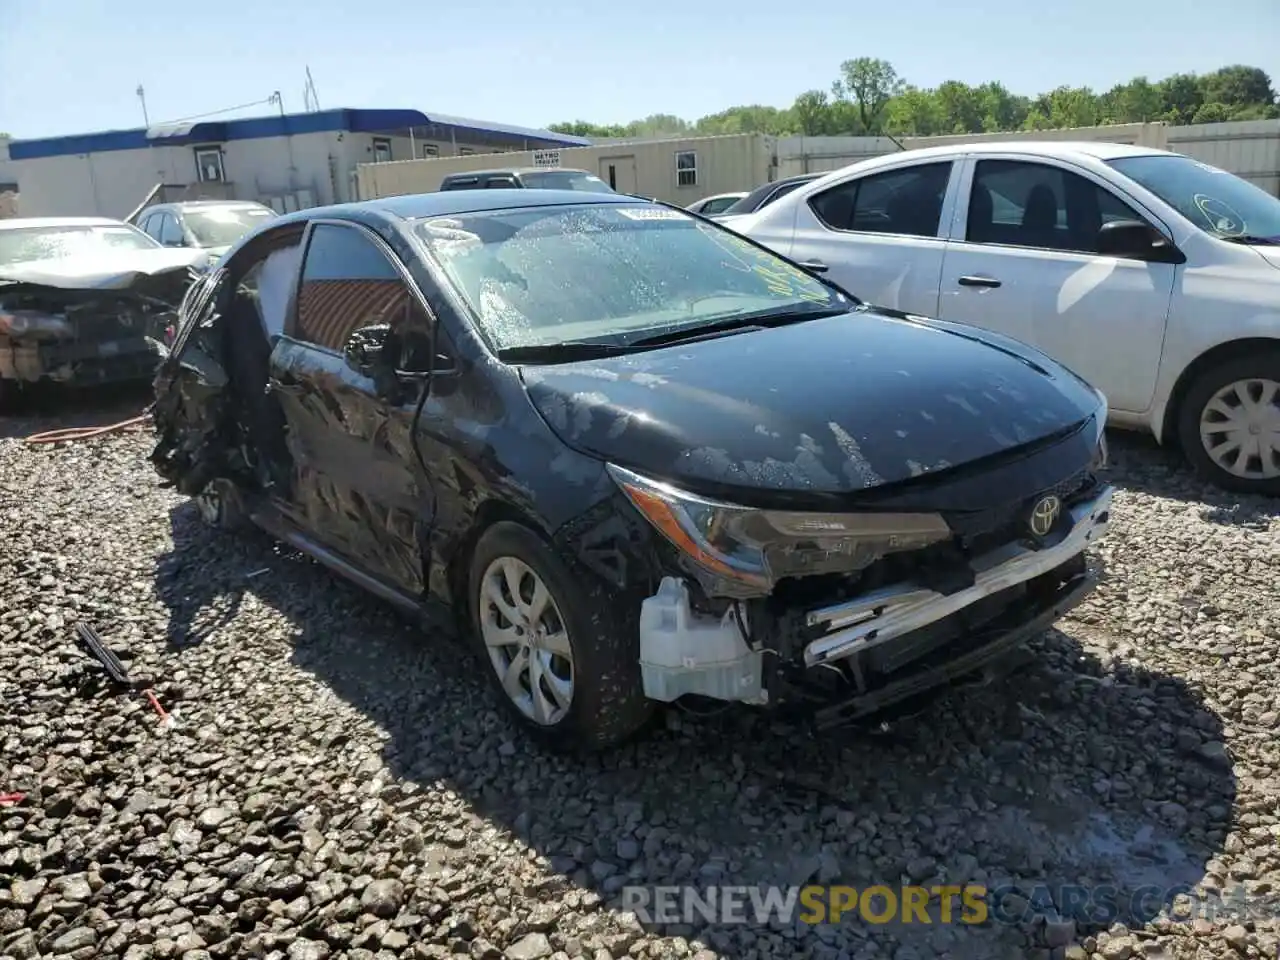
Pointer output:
610, 273
28, 244
1217, 202
223, 226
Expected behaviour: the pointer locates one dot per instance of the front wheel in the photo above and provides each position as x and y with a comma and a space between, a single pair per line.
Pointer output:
1229, 424
563, 663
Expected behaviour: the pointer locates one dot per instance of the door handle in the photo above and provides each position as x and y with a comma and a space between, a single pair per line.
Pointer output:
817, 266
991, 282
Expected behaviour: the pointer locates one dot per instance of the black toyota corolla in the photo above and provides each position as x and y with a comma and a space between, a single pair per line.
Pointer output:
636, 457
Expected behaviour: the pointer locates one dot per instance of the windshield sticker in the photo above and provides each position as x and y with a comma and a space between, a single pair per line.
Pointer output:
1219, 215
780, 277
651, 213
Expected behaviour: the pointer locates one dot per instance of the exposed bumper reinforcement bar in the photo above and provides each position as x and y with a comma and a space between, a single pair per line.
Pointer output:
891, 612
994, 656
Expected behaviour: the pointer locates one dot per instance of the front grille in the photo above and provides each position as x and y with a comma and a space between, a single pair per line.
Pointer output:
985, 530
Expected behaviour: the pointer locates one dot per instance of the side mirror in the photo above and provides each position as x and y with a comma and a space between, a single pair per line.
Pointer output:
1133, 238
365, 351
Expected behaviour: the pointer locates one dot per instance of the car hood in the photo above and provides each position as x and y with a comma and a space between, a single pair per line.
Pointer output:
830, 406
1269, 254
105, 271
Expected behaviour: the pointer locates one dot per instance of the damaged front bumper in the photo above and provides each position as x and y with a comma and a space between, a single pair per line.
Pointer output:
877, 649
105, 361
87, 335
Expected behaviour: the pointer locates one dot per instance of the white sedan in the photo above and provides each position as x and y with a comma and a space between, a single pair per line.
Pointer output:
718, 203
1152, 275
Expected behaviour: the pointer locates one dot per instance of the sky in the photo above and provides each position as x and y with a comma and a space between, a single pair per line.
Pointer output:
74, 66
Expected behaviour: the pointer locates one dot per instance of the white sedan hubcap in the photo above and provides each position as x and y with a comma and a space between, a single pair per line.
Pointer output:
1240, 429
527, 640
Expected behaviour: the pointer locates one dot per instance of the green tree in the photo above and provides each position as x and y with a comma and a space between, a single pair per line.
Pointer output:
1238, 86
1000, 109
1138, 101
960, 106
1180, 97
811, 114
1212, 113
870, 98
915, 113
869, 84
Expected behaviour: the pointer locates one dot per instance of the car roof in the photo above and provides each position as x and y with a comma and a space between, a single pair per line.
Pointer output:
206, 205
417, 206
517, 170
20, 222
1061, 149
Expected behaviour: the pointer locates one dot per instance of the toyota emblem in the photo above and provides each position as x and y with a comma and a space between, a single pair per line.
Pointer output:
1043, 515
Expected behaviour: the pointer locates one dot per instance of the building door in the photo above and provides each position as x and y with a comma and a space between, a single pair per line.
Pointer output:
619, 173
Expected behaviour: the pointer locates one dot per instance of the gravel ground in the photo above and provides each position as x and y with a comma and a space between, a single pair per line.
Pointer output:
332, 784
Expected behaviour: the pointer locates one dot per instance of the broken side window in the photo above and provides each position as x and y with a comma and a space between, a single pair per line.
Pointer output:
274, 284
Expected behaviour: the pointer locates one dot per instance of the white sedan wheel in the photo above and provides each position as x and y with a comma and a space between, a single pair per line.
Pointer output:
1240, 429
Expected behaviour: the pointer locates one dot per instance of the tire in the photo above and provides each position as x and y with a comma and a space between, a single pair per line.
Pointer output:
221, 506
1211, 399
605, 704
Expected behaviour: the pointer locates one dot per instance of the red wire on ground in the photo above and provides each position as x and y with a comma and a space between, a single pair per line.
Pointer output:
85, 433
156, 705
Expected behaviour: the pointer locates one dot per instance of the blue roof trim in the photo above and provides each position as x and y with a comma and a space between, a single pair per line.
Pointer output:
529, 133
260, 128
192, 131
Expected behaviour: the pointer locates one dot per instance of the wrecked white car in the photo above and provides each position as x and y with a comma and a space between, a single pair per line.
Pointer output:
85, 300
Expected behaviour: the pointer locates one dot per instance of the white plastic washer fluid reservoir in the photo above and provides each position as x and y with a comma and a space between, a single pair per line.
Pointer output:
682, 652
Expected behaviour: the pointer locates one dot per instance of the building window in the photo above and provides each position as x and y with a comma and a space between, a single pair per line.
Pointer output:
686, 168
381, 149
465, 151
430, 150
209, 167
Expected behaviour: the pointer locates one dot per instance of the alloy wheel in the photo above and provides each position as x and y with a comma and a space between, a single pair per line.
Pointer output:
1240, 428
527, 640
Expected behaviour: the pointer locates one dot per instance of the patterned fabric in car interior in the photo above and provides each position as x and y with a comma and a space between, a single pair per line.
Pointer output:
329, 311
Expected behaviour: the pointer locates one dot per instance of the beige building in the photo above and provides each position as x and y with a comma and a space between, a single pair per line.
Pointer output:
677, 171
684, 170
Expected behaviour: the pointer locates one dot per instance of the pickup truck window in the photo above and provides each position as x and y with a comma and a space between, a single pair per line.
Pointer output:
906, 202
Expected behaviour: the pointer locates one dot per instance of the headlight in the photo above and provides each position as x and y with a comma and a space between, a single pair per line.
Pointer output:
753, 549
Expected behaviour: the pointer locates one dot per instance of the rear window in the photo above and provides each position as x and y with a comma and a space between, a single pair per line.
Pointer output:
566, 180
